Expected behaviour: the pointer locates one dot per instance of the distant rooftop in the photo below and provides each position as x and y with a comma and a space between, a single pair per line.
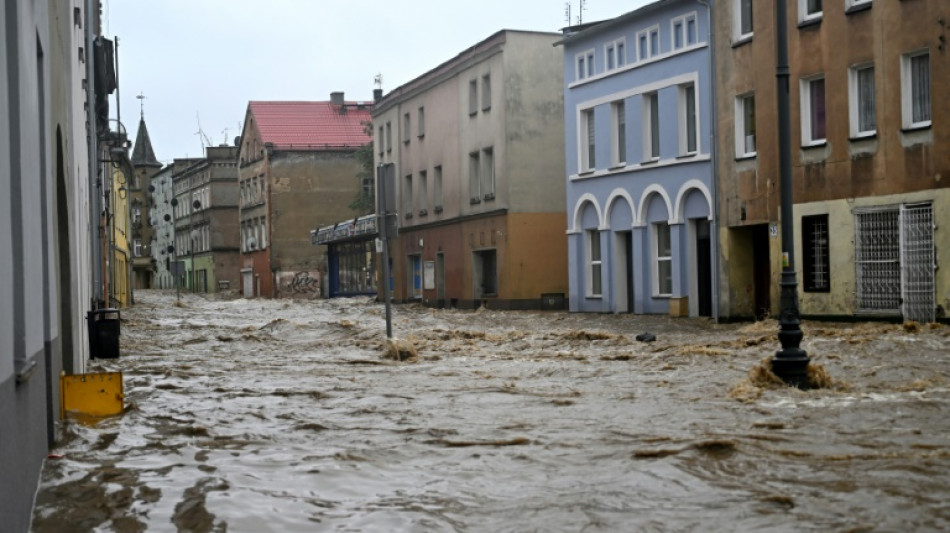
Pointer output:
312, 125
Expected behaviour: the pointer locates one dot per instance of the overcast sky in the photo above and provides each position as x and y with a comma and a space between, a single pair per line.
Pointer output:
208, 58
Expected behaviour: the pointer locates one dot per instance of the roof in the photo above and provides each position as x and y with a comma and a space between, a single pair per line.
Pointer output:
311, 125
142, 154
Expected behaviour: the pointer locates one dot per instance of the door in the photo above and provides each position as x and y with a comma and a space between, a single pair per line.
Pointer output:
248, 283
703, 268
623, 272
415, 276
761, 271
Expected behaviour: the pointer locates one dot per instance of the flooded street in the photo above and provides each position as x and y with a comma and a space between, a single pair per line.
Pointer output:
284, 416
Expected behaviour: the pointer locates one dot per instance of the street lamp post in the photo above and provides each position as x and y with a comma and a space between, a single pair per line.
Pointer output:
171, 250
791, 362
196, 205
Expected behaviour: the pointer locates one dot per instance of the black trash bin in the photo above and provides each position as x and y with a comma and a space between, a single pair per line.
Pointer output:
103, 333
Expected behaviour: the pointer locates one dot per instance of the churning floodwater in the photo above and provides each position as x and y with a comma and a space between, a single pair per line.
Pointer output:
285, 416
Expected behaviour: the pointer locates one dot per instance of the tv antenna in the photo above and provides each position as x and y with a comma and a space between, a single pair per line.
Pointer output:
205, 141
581, 7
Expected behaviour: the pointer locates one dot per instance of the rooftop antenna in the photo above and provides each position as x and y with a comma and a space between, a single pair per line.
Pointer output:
205, 141
567, 12
141, 97
582, 5
225, 132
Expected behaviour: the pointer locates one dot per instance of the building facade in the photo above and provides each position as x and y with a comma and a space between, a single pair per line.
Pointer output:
48, 176
297, 172
163, 227
638, 130
206, 220
475, 148
869, 157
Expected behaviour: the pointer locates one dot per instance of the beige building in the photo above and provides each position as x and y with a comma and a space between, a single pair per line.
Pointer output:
477, 146
870, 157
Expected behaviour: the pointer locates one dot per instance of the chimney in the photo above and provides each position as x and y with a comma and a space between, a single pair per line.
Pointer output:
336, 98
377, 95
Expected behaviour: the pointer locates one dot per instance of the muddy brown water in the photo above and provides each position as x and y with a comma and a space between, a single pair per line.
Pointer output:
284, 416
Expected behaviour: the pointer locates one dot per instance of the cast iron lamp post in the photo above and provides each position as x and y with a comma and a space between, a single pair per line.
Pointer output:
791, 362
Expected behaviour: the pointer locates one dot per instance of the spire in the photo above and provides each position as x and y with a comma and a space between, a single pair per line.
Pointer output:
142, 153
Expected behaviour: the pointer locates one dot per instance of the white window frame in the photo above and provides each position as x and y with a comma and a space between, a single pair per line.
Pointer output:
657, 258
423, 192
487, 165
615, 49
421, 122
855, 101
742, 149
137, 247
618, 133
804, 15
651, 149
588, 140
584, 64
684, 123
486, 92
683, 31
806, 118
738, 34
594, 265
650, 35
907, 97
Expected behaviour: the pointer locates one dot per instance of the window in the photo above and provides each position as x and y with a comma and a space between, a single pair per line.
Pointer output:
488, 173
651, 127
136, 213
816, 255
486, 92
915, 89
137, 248
613, 51
474, 178
687, 119
594, 264
813, 110
421, 122
263, 232
406, 131
648, 42
684, 31
585, 64
588, 154
743, 19
663, 271
379, 141
423, 193
407, 196
472, 97
745, 126
861, 101
389, 137
809, 10
619, 138
437, 188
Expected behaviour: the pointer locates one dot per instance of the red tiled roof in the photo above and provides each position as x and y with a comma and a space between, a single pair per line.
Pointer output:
311, 125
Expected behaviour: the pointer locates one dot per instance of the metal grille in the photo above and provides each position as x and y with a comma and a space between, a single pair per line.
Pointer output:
877, 260
917, 269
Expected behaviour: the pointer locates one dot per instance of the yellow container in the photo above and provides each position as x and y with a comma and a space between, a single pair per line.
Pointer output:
95, 395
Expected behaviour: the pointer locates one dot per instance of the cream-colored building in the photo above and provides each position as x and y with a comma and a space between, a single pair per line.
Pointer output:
477, 145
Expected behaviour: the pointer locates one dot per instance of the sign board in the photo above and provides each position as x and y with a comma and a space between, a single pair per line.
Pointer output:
178, 268
428, 275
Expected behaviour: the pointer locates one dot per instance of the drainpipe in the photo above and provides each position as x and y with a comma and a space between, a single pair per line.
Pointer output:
95, 192
714, 159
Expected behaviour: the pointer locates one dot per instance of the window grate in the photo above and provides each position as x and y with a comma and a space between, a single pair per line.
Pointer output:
917, 272
877, 261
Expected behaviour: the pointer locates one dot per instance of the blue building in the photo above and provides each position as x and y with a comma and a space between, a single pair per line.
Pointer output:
638, 117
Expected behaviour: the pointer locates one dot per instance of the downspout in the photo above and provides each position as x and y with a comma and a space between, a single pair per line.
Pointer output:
95, 192
714, 159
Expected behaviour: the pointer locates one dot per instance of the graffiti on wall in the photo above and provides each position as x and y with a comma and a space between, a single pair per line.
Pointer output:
303, 284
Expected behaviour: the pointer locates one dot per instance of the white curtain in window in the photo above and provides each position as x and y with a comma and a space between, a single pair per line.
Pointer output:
920, 87
867, 119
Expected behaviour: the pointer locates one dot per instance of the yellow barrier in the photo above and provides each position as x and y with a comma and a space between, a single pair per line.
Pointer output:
95, 395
